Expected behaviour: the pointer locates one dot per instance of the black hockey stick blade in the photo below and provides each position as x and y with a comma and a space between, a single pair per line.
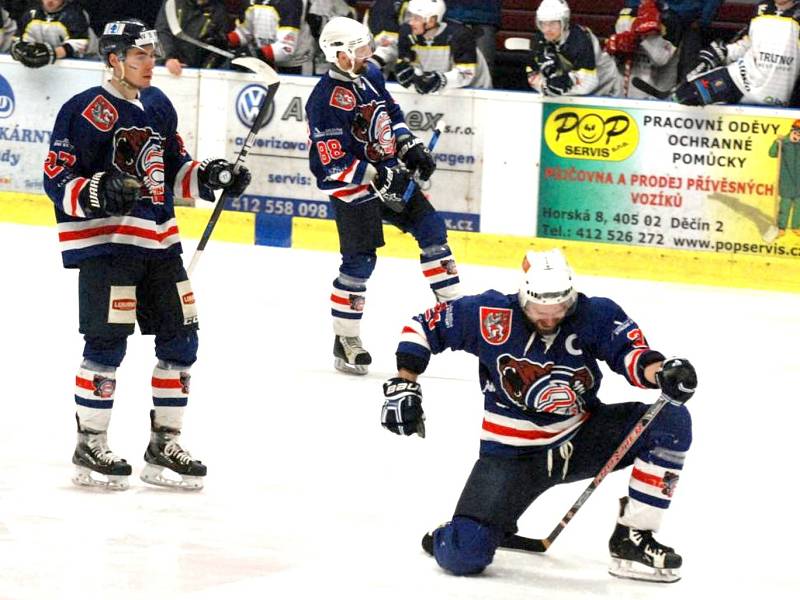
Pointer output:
648, 89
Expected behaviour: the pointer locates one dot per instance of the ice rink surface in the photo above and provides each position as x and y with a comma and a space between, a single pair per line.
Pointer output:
307, 497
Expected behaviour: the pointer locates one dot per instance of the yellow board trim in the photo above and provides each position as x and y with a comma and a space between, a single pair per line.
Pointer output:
606, 260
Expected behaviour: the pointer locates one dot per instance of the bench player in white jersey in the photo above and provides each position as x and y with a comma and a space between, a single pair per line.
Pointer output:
57, 29
759, 67
565, 60
435, 53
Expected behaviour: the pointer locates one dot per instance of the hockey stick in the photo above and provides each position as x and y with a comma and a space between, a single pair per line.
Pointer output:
171, 12
518, 542
437, 131
517, 43
272, 82
648, 89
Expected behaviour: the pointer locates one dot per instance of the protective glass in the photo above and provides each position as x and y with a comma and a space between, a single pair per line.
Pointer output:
149, 37
538, 312
364, 52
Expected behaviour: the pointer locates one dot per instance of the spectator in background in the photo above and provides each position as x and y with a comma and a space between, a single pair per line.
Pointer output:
435, 53
695, 18
383, 20
57, 29
104, 11
567, 60
17, 8
483, 18
8, 27
276, 32
204, 20
318, 13
645, 45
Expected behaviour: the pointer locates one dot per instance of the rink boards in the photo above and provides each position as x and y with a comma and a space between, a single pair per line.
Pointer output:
630, 188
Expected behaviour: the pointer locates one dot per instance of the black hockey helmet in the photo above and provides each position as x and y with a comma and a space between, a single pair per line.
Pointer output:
119, 36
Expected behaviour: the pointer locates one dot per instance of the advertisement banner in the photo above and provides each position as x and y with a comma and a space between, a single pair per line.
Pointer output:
669, 177
284, 185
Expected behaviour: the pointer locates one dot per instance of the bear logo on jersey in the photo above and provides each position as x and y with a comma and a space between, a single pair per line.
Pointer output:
140, 152
544, 388
373, 128
495, 325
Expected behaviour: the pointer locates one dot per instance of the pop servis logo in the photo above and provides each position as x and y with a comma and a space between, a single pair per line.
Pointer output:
248, 103
590, 133
7, 102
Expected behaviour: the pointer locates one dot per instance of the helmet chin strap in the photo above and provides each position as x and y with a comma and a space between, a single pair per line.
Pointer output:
121, 79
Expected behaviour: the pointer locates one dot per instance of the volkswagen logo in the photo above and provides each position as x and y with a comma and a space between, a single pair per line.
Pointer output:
248, 102
6, 99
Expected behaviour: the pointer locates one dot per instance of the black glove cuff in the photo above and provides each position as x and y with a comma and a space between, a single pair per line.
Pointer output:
406, 143
411, 362
94, 191
645, 360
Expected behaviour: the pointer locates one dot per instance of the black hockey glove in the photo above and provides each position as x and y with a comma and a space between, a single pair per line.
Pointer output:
550, 67
402, 411
416, 156
430, 82
218, 174
404, 73
33, 54
558, 85
677, 379
110, 194
709, 58
390, 184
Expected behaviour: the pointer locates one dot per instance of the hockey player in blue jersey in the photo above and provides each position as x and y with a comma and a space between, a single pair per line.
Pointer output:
364, 156
538, 353
115, 164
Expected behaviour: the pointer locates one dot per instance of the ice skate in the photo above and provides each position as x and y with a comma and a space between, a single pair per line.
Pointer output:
169, 465
635, 554
350, 355
96, 465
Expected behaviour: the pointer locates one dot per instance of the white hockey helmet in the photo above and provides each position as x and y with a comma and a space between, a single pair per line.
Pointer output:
546, 279
554, 10
342, 34
427, 9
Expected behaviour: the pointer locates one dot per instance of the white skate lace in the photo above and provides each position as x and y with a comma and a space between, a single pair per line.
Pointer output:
173, 450
98, 446
651, 547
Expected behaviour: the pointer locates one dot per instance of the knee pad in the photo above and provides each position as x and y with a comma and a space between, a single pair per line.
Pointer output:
669, 437
358, 266
465, 546
180, 349
105, 351
430, 230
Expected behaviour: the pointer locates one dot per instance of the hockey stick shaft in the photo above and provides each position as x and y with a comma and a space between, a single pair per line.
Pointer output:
412, 185
517, 542
171, 12
258, 123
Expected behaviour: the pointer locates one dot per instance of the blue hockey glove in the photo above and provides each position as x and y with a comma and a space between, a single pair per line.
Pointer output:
416, 156
430, 82
677, 379
110, 194
402, 411
390, 183
404, 73
218, 174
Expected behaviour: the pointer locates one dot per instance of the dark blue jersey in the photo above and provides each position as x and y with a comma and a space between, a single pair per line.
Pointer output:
97, 131
353, 125
538, 390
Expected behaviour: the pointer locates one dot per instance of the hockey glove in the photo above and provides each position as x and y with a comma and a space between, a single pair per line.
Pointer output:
622, 43
218, 174
402, 411
416, 156
677, 379
648, 19
550, 67
110, 194
558, 85
390, 183
404, 73
33, 54
709, 58
430, 82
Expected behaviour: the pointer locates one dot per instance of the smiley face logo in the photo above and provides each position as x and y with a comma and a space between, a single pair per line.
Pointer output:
590, 128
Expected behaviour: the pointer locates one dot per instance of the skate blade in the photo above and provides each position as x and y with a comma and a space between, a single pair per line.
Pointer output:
340, 365
85, 477
163, 477
629, 569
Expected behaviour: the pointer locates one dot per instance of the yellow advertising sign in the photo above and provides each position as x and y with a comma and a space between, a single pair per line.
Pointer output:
591, 133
